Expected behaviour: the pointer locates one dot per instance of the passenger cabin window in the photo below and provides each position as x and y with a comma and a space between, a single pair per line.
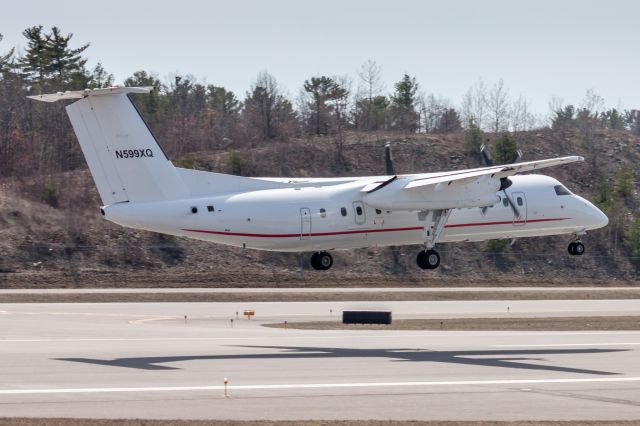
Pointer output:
561, 190
359, 211
194, 210
323, 213
210, 208
378, 211
343, 211
505, 202
520, 202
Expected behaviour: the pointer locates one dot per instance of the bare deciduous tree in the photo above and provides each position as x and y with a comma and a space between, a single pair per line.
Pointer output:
370, 86
474, 105
521, 117
498, 106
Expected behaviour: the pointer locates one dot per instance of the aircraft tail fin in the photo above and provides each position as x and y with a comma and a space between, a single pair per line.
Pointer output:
125, 160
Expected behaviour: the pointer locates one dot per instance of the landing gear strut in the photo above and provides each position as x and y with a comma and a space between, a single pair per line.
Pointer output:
428, 259
576, 248
321, 261
434, 221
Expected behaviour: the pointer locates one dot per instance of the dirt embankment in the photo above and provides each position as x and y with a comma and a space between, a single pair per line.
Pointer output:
71, 245
604, 323
293, 296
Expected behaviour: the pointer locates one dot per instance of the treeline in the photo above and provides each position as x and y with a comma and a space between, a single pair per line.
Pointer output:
36, 139
189, 116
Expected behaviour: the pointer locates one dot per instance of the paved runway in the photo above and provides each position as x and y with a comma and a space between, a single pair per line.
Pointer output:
596, 290
146, 361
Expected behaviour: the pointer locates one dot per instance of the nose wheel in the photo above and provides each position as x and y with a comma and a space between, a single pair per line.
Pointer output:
321, 261
428, 259
576, 248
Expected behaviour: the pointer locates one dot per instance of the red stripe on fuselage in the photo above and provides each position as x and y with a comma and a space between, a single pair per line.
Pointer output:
367, 231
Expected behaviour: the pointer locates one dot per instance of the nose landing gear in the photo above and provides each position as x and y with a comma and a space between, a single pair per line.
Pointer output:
576, 248
321, 261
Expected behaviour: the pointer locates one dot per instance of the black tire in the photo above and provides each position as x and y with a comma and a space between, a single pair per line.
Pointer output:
315, 264
578, 248
421, 260
428, 259
321, 261
572, 249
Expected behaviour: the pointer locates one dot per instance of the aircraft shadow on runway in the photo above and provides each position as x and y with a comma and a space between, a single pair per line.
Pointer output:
487, 358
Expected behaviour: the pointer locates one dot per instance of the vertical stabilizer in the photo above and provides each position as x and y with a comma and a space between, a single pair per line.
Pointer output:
126, 162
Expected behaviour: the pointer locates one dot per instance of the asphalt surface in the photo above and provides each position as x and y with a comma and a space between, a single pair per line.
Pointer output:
146, 361
314, 290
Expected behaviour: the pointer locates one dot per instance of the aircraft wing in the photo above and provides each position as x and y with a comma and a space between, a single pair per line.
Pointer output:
457, 189
465, 176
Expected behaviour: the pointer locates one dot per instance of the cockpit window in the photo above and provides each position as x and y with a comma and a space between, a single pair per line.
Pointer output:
561, 190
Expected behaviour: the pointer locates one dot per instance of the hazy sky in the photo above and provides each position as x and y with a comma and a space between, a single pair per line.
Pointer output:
541, 48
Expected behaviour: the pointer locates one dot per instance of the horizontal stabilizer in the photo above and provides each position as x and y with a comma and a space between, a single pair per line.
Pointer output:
79, 94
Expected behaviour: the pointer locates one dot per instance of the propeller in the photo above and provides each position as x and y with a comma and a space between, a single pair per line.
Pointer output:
388, 159
504, 182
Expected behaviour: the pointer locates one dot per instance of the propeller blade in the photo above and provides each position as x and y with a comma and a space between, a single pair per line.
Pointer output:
486, 156
516, 212
388, 160
517, 157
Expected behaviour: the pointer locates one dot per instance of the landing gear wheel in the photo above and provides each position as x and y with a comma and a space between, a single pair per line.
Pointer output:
321, 261
428, 259
576, 248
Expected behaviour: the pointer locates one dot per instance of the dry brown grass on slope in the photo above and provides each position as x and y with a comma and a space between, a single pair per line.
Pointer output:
482, 324
294, 296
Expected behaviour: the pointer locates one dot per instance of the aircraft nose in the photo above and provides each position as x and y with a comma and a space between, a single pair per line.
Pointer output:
599, 219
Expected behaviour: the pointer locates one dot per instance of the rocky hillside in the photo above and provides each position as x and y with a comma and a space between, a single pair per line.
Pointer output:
52, 234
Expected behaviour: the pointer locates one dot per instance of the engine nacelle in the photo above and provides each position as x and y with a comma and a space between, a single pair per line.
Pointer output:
480, 192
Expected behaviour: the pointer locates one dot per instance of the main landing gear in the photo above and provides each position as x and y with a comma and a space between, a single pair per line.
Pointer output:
321, 261
428, 259
576, 248
434, 221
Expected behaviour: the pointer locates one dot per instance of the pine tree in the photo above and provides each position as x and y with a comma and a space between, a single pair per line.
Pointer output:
323, 89
50, 63
5, 60
403, 101
506, 149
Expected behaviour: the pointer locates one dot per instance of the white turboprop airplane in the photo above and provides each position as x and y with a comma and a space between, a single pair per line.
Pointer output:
140, 188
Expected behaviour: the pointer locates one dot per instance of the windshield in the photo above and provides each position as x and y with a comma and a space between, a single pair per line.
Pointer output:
561, 190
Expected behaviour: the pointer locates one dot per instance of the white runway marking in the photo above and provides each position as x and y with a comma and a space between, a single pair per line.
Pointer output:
553, 345
343, 336
318, 386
